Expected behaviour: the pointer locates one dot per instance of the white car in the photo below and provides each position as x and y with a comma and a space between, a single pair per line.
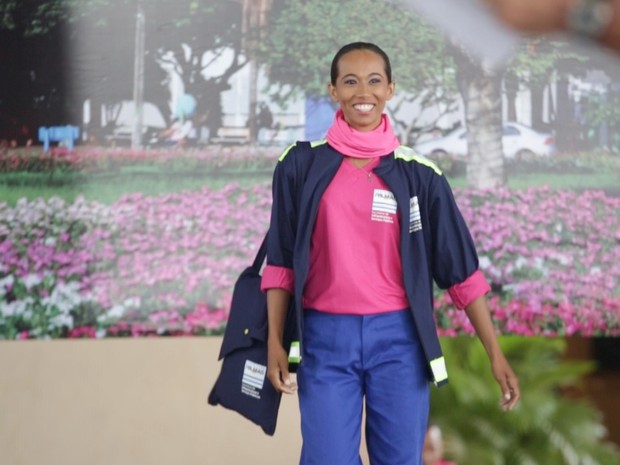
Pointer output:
519, 141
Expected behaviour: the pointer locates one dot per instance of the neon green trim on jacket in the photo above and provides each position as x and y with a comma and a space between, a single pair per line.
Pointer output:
408, 154
294, 355
438, 367
403, 152
313, 143
286, 151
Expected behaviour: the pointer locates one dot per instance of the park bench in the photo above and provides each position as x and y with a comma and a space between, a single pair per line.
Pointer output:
62, 134
232, 135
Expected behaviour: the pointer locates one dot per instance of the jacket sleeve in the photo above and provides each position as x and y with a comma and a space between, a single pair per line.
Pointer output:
283, 224
454, 259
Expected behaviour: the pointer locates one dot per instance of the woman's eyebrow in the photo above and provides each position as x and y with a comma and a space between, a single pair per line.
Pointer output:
353, 75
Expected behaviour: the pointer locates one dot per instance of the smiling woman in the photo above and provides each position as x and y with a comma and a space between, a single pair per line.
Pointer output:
352, 281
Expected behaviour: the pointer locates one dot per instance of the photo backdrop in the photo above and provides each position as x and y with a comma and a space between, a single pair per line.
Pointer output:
138, 139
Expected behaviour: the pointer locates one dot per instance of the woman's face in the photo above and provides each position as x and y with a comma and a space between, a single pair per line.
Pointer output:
361, 89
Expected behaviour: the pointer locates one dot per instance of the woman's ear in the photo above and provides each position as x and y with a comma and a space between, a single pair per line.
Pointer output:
331, 89
391, 89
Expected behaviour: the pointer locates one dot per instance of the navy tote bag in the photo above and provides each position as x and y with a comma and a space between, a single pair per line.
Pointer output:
242, 384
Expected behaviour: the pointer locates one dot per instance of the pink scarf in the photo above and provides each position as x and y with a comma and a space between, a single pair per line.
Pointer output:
357, 144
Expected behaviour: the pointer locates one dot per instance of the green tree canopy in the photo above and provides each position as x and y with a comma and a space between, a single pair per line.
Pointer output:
304, 36
89, 46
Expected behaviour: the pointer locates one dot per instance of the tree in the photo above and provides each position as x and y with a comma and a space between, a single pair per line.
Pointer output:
194, 36
541, 64
481, 90
183, 42
303, 36
545, 428
188, 36
481, 93
34, 87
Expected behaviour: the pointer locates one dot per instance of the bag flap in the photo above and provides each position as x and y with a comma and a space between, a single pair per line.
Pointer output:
247, 320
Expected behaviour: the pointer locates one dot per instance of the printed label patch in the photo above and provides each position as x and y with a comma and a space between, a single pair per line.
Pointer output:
383, 206
253, 379
415, 220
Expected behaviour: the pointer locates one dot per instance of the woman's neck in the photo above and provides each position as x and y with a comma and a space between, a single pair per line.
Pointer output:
359, 162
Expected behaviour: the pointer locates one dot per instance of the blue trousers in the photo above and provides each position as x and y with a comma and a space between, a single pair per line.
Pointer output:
348, 360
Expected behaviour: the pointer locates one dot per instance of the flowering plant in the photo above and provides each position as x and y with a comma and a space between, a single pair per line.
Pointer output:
166, 265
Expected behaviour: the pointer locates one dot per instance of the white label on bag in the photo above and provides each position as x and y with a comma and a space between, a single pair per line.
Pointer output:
253, 378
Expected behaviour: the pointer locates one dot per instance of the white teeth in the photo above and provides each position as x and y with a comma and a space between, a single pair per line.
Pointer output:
364, 107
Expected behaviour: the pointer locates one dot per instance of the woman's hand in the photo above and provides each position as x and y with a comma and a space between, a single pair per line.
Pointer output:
277, 369
507, 381
478, 314
277, 359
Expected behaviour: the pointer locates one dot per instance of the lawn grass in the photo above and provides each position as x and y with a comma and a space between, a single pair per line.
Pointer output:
607, 181
109, 187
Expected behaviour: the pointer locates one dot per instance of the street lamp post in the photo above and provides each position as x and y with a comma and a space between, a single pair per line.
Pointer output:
138, 77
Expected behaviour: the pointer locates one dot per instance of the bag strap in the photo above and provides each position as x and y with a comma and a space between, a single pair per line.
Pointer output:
260, 256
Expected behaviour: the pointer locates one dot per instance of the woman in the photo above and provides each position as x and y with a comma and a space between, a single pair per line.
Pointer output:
359, 229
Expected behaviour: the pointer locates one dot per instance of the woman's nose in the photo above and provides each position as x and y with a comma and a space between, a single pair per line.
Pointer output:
362, 89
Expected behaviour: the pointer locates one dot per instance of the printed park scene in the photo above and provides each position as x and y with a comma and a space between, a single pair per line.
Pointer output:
135, 175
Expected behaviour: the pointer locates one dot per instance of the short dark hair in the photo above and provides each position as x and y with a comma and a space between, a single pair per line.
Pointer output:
360, 46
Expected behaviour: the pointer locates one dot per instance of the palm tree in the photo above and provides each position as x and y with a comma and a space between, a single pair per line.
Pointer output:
546, 428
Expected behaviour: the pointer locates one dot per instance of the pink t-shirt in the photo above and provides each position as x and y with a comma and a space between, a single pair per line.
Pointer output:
357, 225
388, 294
354, 255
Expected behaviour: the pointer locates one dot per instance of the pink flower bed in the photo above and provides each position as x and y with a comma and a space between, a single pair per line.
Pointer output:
553, 258
166, 265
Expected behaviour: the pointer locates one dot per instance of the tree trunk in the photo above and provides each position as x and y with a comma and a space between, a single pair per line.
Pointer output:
537, 95
565, 122
485, 168
511, 86
481, 93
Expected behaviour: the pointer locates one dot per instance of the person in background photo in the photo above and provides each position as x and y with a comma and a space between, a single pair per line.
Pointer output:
264, 119
597, 20
360, 227
433, 451
178, 133
182, 130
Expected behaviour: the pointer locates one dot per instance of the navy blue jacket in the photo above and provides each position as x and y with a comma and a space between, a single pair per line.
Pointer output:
435, 242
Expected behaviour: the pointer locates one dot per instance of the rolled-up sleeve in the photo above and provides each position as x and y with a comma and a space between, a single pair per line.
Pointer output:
464, 293
277, 277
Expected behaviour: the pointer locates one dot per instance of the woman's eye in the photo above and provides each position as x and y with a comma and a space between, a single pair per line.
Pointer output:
350, 82
375, 81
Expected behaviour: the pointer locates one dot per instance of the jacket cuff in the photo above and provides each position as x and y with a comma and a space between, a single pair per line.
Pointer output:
277, 277
464, 293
